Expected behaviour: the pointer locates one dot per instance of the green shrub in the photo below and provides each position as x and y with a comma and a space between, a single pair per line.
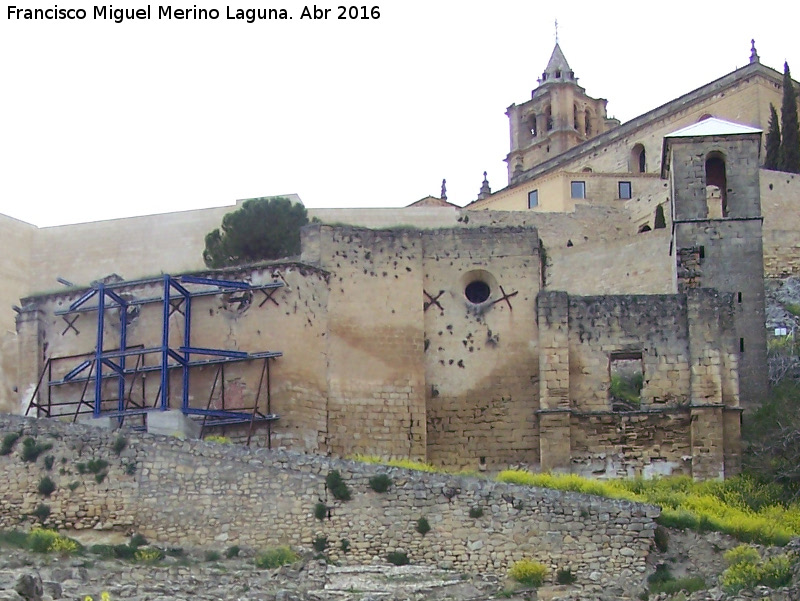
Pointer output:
50, 541
176, 552
423, 527
344, 545
31, 449
661, 539
46, 486
565, 576
380, 483
662, 574
397, 558
232, 551
42, 512
337, 486
746, 570
100, 477
96, 466
741, 554
627, 388
104, 551
275, 558
130, 468
212, 556
320, 544
320, 511
476, 512
8, 442
138, 540
119, 444
14, 538
528, 573
48, 462
124, 551
73, 485
148, 555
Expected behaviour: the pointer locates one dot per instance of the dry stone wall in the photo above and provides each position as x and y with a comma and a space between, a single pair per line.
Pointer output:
196, 493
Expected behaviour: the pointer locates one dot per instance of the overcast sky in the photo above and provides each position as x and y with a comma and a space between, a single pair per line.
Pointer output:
103, 120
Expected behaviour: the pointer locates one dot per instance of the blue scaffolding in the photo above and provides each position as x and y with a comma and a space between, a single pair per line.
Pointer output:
113, 366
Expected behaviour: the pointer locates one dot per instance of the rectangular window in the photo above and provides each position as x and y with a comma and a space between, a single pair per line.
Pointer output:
625, 190
533, 199
578, 190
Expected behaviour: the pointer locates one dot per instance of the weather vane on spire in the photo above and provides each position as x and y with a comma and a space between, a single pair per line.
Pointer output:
556, 31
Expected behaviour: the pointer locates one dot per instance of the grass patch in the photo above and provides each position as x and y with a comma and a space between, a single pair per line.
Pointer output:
218, 439
565, 576
232, 551
407, 464
320, 511
344, 545
320, 544
741, 507
690, 585
8, 442
42, 512
527, 572
275, 558
476, 512
119, 444
46, 486
337, 486
423, 527
14, 538
32, 449
212, 556
397, 558
380, 483
48, 462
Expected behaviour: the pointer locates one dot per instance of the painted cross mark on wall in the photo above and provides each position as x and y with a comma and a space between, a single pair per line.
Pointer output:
432, 300
70, 324
506, 298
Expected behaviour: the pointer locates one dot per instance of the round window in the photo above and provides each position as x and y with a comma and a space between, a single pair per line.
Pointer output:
477, 292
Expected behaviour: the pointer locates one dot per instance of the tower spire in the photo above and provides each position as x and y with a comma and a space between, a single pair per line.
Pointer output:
754, 58
556, 32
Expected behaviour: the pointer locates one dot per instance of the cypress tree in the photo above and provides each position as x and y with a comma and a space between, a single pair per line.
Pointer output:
659, 222
773, 140
789, 156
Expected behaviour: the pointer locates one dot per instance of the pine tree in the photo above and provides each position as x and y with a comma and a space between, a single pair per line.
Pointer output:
789, 156
773, 140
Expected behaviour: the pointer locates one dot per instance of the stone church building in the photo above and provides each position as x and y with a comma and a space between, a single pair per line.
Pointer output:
558, 323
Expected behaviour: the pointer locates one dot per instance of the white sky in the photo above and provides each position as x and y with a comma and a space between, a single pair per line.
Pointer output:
104, 120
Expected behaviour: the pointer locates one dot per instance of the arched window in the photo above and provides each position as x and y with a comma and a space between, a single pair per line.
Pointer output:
638, 159
532, 125
716, 186
588, 119
549, 115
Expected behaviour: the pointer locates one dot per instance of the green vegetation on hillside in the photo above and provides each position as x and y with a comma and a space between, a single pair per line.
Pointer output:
742, 507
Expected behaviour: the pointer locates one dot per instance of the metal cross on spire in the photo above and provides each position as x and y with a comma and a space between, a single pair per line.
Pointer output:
556, 31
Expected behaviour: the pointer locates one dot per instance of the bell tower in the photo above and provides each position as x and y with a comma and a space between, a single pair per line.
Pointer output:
717, 243
558, 116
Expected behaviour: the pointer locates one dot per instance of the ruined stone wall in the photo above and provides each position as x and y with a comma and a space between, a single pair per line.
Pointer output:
481, 362
186, 493
689, 368
293, 321
637, 265
780, 197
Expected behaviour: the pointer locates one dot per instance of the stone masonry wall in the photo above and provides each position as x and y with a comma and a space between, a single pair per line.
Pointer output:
196, 493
